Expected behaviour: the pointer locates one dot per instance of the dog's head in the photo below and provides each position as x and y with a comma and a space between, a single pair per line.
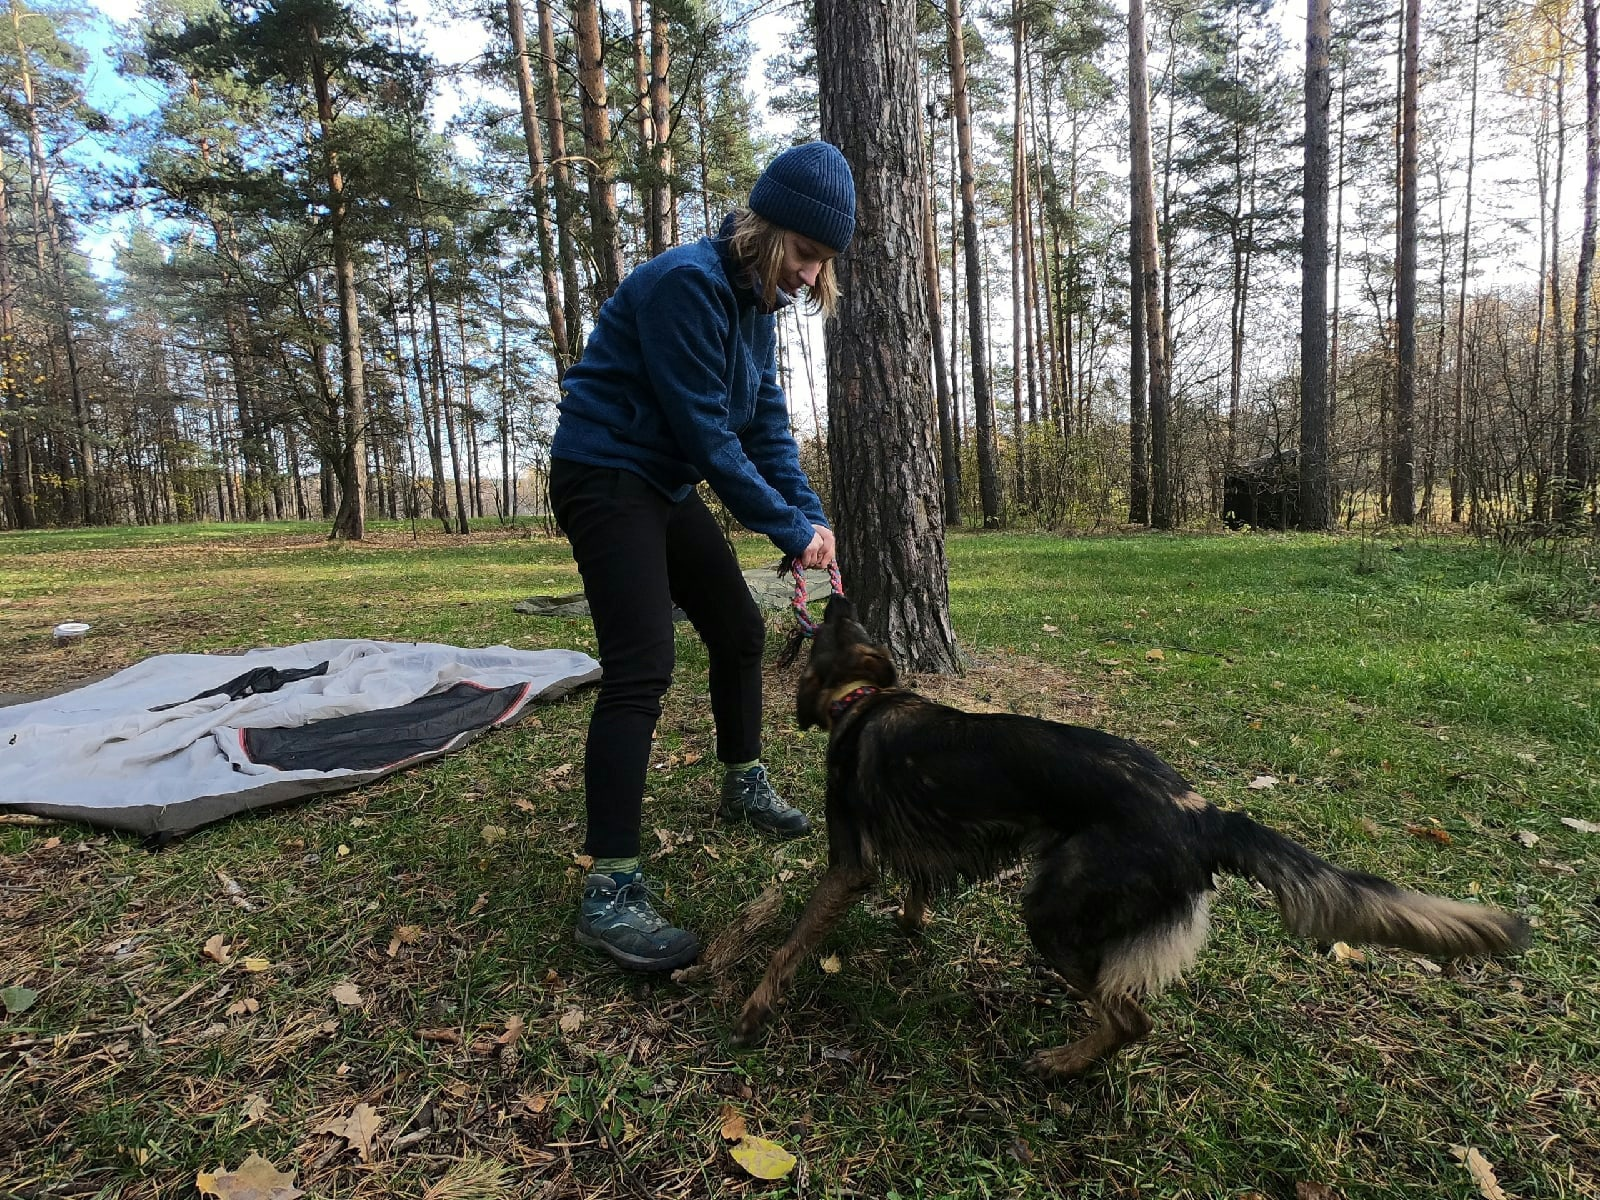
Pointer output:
843, 655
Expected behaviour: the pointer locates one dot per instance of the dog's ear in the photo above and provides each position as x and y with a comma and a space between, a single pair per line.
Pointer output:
868, 663
839, 609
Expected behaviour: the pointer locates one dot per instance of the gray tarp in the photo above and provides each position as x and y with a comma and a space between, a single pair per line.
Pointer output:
145, 750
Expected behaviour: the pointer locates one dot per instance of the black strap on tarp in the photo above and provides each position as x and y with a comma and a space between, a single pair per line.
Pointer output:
253, 683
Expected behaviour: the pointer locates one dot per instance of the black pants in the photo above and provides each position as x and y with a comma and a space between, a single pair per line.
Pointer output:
639, 553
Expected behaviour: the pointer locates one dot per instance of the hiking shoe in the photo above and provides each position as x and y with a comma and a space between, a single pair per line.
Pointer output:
617, 917
748, 796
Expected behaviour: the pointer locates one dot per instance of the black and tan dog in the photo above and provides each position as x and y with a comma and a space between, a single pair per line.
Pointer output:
1124, 850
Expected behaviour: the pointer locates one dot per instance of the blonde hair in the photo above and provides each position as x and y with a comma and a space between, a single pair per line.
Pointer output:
756, 243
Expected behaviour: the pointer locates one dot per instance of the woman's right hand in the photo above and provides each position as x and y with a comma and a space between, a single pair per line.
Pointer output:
819, 554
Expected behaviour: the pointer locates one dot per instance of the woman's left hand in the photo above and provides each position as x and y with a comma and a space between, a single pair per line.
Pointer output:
819, 554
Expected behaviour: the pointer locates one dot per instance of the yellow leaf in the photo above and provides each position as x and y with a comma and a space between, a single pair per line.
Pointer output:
492, 834
347, 995
1154, 656
255, 965
831, 965
343, 850
256, 1179
1481, 1171
763, 1159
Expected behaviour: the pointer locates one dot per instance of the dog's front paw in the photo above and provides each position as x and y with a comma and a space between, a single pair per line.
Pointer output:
1060, 1063
752, 1022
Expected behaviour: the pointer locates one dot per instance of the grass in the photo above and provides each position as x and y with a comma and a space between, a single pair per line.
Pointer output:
1420, 705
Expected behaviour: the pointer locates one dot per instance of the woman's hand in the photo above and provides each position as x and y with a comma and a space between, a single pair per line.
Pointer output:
819, 554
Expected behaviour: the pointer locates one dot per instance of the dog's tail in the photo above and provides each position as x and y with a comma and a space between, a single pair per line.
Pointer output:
1322, 901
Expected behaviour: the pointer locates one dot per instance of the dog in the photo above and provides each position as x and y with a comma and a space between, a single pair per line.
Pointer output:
1124, 850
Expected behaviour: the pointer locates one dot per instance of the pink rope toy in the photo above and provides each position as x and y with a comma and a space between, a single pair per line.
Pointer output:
808, 627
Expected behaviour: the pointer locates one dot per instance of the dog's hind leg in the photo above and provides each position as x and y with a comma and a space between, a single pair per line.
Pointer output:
913, 915
839, 889
1119, 924
1122, 1021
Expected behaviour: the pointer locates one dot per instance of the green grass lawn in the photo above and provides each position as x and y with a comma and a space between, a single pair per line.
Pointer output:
1426, 709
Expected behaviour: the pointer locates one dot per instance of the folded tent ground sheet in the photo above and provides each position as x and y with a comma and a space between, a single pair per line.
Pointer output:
180, 740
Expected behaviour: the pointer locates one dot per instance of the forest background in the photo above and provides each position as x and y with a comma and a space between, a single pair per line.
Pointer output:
328, 297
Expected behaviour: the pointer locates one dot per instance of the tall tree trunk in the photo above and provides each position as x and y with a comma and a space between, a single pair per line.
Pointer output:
442, 373
538, 187
1138, 376
349, 523
661, 203
14, 446
645, 120
1579, 471
1019, 365
1457, 432
1402, 463
1149, 269
880, 408
949, 455
1316, 494
48, 244
597, 145
982, 398
566, 215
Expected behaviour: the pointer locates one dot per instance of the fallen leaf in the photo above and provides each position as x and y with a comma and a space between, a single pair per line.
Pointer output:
1315, 1191
404, 935
763, 1159
255, 1107
711, 853
255, 965
535, 1104
1528, 838
691, 758
492, 834
50, 843
1481, 1171
514, 1027
357, 1129
256, 1179
347, 995
1580, 825
571, 1020
478, 905
1154, 656
240, 1008
344, 851
448, 1036
586, 861
17, 999
1347, 953
733, 1127
1050, 628
216, 949
525, 805
1431, 832
831, 965
1262, 782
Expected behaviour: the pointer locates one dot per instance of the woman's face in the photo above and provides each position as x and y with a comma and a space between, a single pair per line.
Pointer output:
802, 259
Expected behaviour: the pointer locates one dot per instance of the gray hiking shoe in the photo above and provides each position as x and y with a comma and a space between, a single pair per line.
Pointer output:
749, 796
619, 919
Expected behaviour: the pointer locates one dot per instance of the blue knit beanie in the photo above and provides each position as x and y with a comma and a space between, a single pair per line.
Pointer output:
808, 188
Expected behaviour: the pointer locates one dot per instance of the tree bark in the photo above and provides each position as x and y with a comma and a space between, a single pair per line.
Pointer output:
1316, 496
597, 145
566, 217
1579, 472
538, 187
1148, 266
661, 205
1402, 464
982, 398
349, 523
880, 408
949, 455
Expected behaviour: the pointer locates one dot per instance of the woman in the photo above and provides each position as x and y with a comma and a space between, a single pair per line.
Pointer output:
679, 383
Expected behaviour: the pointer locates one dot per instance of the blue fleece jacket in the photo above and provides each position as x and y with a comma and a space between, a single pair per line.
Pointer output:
679, 383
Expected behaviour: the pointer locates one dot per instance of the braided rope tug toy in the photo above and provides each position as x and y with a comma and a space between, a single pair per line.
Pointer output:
807, 627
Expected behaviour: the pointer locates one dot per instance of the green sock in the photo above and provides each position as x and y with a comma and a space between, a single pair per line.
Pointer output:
616, 866
743, 767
